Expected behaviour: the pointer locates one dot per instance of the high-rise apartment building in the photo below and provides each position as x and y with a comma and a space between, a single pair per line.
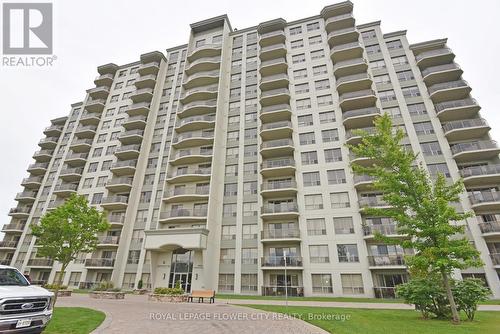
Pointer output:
224, 161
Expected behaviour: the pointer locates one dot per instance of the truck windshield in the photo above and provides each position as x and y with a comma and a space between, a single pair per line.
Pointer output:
12, 277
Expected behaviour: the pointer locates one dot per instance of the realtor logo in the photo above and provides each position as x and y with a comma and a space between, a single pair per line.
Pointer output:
27, 28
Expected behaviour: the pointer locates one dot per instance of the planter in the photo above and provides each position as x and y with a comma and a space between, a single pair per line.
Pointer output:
168, 298
62, 293
140, 291
107, 295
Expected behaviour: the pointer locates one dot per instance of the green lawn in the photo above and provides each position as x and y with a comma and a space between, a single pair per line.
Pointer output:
74, 320
365, 321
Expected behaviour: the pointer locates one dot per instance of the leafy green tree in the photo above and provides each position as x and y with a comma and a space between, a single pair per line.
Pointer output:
468, 293
421, 207
67, 231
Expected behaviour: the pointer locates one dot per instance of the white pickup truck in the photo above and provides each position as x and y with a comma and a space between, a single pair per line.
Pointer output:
24, 308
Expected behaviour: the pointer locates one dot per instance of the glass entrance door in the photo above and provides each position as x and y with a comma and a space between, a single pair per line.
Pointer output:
181, 269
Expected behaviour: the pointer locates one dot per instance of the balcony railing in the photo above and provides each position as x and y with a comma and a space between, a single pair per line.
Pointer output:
490, 227
447, 85
126, 148
194, 134
372, 201
279, 261
185, 153
360, 112
277, 143
440, 68
278, 91
384, 229
473, 146
279, 208
184, 213
276, 125
284, 233
13, 226
359, 93
204, 118
349, 62
273, 62
464, 124
384, 292
353, 77
115, 199
432, 53
82, 141
480, 170
8, 244
495, 258
273, 47
40, 262
275, 185
68, 171
188, 171
119, 181
363, 178
386, 260
188, 191
345, 46
66, 187
109, 240
99, 262
20, 209
478, 197
455, 104
277, 107
124, 163
278, 163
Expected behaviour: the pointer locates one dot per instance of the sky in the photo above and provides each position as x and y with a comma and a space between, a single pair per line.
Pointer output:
90, 33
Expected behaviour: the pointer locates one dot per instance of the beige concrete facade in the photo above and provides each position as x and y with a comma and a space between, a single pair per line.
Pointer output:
215, 159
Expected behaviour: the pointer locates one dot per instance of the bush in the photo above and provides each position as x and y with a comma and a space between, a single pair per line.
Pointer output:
468, 293
54, 287
106, 286
139, 284
169, 291
427, 294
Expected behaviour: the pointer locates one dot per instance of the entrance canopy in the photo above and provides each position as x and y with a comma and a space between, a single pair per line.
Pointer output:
170, 239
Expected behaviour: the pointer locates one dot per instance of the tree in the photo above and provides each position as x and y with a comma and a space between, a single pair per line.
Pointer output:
67, 231
422, 208
468, 293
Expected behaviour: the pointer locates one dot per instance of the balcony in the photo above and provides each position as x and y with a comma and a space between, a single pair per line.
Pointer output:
76, 159
194, 138
273, 67
273, 51
448, 91
346, 51
204, 51
275, 96
48, 143
32, 182
278, 167
100, 92
474, 151
127, 152
86, 131
278, 188
485, 200
126, 167
357, 100
135, 122
341, 21
146, 81
201, 79
81, 145
272, 37
343, 36
457, 110
5, 262
116, 221
53, 130
285, 210
149, 68
20, 212
26, 196
104, 80
65, 189
100, 263
280, 235
441, 73
119, 184
138, 109
142, 95
495, 259
186, 194
276, 148
363, 182
90, 118
183, 215
354, 82
393, 261
203, 65
276, 113
195, 123
349, 67
388, 230
13, 228
198, 108
480, 175
274, 82
54, 204
466, 129
71, 174
278, 262
200, 93
187, 238
353, 137
191, 174
43, 155
8, 245
191, 156
276, 130
384, 292
108, 241
114, 202
38, 168
131, 137
490, 229
360, 118
40, 263
372, 201
95, 105
434, 57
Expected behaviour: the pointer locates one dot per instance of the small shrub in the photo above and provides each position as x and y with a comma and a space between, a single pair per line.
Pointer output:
169, 291
468, 293
139, 284
106, 286
54, 287
178, 284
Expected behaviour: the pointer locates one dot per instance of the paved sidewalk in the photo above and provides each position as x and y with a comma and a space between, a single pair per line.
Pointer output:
137, 315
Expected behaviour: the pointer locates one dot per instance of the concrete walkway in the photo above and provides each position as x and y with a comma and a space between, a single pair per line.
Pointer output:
137, 315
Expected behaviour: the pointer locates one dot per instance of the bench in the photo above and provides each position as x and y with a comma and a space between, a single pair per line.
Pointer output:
201, 294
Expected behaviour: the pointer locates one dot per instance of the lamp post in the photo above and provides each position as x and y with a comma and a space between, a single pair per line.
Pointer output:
286, 282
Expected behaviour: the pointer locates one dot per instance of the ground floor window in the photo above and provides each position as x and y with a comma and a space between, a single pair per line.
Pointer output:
322, 283
226, 282
249, 283
352, 284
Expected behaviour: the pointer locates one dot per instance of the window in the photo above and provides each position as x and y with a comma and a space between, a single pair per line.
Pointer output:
319, 254
317, 54
250, 168
348, 253
417, 109
199, 42
248, 283
339, 200
394, 112
217, 39
313, 40
97, 152
312, 26
250, 75
303, 104
377, 64
110, 112
300, 58
230, 189
319, 70
251, 117
97, 198
343, 225
431, 148
226, 282
299, 74
92, 167
369, 34
382, 79
236, 77
316, 226
251, 133
251, 90
250, 209
251, 47
101, 181
311, 179
250, 188
250, 151
387, 95
394, 45
295, 30
326, 117
87, 183
228, 232
307, 138
229, 210
352, 284
372, 49
411, 92
249, 255
227, 255
235, 92
297, 44
250, 231
111, 149
302, 88
333, 155
336, 176
106, 165
145, 197
424, 128
309, 158
232, 170
402, 60
305, 120
232, 152
322, 84
442, 168
324, 100
405, 75
313, 202
322, 283
329, 135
